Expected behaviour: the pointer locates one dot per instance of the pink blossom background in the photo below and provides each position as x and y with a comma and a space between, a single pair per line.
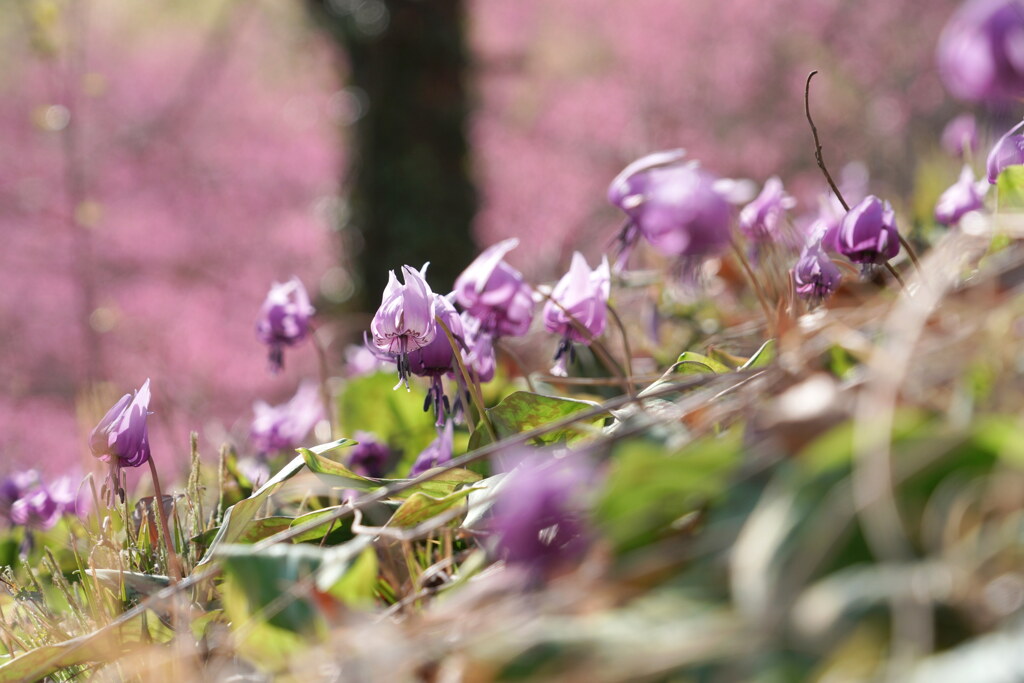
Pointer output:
209, 147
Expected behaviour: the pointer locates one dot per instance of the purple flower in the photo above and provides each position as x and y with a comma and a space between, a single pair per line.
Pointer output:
122, 437
370, 457
1009, 151
577, 309
868, 233
960, 136
360, 360
284, 318
36, 510
760, 219
674, 205
283, 427
963, 196
405, 320
436, 359
15, 486
436, 454
539, 515
495, 293
981, 51
815, 275
479, 352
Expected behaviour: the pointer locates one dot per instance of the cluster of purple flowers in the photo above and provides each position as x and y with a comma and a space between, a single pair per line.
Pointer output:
26, 500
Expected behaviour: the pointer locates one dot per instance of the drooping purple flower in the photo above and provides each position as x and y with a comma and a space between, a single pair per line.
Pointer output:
673, 204
868, 232
539, 517
981, 51
495, 293
963, 196
436, 359
761, 219
14, 486
815, 275
283, 427
479, 352
577, 309
284, 318
405, 320
960, 136
122, 437
370, 457
437, 453
1009, 151
36, 510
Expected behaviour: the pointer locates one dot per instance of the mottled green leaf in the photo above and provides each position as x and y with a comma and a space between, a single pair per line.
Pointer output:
523, 411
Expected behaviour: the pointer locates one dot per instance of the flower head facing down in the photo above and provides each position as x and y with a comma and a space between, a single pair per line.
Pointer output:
495, 293
479, 352
437, 453
36, 510
815, 275
981, 51
283, 427
963, 196
435, 358
577, 309
405, 320
370, 457
868, 233
960, 136
284, 318
539, 515
761, 219
673, 204
1009, 151
122, 436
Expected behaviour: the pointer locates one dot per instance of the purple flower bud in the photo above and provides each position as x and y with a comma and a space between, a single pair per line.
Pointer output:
963, 196
370, 457
868, 232
122, 437
981, 51
579, 300
539, 514
36, 510
760, 219
284, 318
960, 136
437, 453
495, 293
283, 427
1009, 151
673, 204
815, 275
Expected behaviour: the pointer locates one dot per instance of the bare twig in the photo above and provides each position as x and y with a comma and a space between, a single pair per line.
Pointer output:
817, 142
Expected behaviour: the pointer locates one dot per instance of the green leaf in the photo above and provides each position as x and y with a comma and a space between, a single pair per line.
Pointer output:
325, 529
523, 411
762, 357
1011, 187
420, 507
372, 404
690, 363
239, 516
649, 489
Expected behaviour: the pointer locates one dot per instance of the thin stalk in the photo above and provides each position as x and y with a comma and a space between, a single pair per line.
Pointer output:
911, 253
896, 275
817, 142
756, 286
507, 350
473, 386
172, 559
627, 352
325, 390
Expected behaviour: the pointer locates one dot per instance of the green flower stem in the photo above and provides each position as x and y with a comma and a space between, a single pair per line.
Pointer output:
471, 383
172, 558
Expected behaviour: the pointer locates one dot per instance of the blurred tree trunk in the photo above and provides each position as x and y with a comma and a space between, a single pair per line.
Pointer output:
409, 189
